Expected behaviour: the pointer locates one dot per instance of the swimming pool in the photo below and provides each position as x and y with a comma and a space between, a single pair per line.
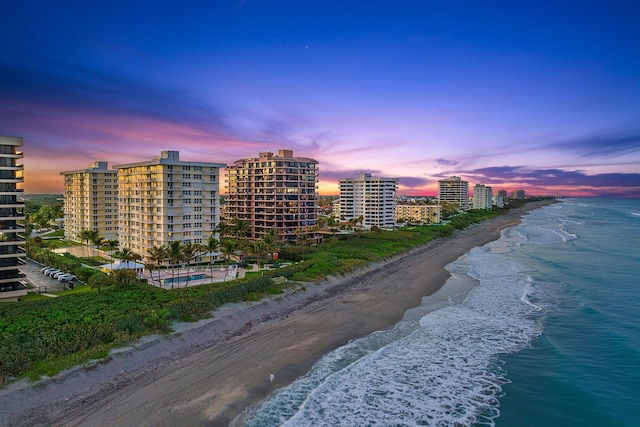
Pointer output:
182, 279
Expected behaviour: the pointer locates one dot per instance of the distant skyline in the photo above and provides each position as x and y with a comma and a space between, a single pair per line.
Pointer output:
541, 96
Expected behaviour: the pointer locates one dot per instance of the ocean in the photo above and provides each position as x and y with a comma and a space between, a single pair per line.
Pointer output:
539, 328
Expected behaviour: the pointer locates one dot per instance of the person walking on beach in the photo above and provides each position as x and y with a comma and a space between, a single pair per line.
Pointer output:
271, 377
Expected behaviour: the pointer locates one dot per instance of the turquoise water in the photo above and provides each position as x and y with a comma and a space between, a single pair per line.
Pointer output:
182, 279
549, 337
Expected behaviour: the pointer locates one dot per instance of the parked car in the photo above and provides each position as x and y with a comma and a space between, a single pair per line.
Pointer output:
58, 274
53, 273
66, 277
47, 270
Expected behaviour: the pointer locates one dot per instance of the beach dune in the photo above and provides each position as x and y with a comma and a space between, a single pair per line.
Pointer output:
209, 372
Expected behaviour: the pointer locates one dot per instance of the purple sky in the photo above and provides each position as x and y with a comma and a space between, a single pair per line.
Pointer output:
543, 96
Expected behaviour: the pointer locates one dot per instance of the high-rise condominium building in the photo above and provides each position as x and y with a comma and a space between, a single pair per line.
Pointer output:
454, 190
482, 197
12, 255
166, 200
373, 199
91, 201
273, 192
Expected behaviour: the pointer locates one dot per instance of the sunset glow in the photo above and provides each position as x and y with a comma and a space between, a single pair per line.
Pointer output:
542, 97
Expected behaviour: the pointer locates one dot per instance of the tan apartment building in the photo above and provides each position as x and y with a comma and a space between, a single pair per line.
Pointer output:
91, 201
373, 199
12, 255
418, 213
273, 192
165, 200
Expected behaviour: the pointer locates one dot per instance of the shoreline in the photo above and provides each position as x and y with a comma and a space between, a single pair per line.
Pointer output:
211, 371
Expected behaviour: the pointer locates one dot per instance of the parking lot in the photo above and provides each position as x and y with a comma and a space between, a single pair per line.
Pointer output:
40, 282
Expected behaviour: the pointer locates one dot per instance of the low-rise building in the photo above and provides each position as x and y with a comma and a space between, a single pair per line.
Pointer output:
418, 213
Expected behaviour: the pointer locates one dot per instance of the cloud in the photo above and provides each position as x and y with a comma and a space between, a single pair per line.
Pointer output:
32, 95
550, 178
615, 143
446, 162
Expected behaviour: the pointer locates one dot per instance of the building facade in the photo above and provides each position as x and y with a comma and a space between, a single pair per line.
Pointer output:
517, 194
12, 255
373, 199
273, 192
482, 197
166, 200
91, 201
455, 191
418, 213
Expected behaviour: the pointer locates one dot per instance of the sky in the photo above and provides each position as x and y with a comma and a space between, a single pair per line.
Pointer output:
536, 95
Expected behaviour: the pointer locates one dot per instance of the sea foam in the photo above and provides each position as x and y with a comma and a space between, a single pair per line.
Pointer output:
442, 370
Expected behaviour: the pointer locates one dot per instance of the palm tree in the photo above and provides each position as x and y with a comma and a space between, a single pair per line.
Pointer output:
228, 248
259, 249
96, 239
175, 255
212, 246
85, 236
111, 244
157, 256
223, 228
127, 255
190, 251
241, 227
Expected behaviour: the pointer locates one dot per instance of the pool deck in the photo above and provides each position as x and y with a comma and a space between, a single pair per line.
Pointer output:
218, 276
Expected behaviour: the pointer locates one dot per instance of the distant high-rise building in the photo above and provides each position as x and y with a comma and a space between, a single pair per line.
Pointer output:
91, 201
517, 194
454, 190
166, 200
12, 255
502, 193
373, 199
273, 192
482, 197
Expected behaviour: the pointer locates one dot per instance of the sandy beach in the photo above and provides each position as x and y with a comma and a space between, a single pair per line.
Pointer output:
207, 373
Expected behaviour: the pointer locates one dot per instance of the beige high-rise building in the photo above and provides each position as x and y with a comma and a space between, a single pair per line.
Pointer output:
91, 201
418, 213
12, 255
373, 199
273, 192
165, 200
454, 190
482, 197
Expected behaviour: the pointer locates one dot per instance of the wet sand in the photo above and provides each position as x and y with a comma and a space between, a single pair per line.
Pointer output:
209, 372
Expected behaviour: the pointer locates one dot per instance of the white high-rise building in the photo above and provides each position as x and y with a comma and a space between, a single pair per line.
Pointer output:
91, 201
482, 197
165, 200
454, 190
12, 255
373, 199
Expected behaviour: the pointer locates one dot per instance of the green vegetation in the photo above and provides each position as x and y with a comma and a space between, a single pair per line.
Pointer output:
43, 336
